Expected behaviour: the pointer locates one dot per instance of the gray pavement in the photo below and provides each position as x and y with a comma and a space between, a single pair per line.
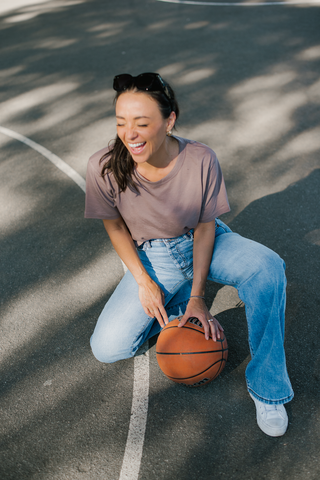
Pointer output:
248, 83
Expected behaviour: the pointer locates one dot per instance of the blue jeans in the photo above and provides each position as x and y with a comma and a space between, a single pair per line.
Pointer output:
257, 272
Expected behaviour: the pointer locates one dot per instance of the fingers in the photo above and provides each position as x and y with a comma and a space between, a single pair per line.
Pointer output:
158, 316
161, 316
211, 327
152, 300
206, 329
158, 312
215, 329
183, 320
164, 315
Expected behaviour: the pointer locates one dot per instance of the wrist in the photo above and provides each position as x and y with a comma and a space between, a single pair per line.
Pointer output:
142, 278
198, 296
198, 288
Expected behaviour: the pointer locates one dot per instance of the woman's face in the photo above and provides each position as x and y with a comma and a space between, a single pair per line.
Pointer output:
141, 126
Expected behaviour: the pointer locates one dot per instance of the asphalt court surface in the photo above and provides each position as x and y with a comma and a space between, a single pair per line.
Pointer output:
248, 83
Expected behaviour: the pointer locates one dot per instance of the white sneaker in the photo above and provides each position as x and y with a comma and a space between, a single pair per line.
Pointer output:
272, 419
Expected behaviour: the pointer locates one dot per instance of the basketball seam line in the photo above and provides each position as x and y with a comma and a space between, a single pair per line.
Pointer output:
191, 353
200, 373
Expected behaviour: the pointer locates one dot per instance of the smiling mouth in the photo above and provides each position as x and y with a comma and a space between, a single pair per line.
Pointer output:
137, 147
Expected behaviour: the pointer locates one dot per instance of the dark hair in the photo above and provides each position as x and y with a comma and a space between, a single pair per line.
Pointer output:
118, 159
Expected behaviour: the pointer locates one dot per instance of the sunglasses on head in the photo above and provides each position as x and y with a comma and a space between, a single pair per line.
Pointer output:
145, 81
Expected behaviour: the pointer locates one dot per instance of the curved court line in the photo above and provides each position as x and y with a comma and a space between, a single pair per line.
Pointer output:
140, 396
241, 4
63, 166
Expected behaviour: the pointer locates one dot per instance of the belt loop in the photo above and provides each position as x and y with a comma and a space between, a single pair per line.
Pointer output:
143, 246
146, 245
190, 233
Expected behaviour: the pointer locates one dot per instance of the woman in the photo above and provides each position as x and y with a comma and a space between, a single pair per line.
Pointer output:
159, 197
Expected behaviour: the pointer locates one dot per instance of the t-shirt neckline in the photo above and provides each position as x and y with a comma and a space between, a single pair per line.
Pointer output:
174, 171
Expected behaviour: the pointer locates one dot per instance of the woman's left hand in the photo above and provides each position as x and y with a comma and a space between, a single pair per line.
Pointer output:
197, 308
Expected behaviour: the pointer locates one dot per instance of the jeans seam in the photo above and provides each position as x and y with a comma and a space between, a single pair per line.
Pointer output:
176, 263
248, 324
140, 332
181, 255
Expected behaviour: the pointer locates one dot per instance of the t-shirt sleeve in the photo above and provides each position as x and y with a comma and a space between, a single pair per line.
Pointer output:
215, 199
100, 194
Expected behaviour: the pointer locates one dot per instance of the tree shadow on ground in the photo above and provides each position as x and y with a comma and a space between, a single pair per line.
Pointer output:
59, 65
288, 222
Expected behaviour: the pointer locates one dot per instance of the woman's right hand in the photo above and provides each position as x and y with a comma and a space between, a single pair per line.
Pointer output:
152, 300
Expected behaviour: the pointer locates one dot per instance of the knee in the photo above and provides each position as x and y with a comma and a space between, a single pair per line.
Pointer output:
99, 353
274, 265
102, 351
270, 271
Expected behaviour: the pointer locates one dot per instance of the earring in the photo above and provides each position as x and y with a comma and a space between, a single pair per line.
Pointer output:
169, 133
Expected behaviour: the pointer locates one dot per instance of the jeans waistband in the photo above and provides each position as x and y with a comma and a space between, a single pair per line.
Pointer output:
165, 241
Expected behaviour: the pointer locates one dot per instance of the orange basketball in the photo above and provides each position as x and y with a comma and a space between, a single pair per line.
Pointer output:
185, 356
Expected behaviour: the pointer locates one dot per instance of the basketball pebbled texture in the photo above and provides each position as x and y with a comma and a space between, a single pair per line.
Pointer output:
185, 356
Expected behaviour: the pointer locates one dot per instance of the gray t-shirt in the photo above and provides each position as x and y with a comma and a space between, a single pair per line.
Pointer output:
194, 191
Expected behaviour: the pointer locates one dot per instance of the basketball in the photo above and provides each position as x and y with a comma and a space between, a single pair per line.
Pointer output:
185, 356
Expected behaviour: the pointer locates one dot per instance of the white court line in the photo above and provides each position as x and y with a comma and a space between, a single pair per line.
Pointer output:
63, 166
140, 397
138, 421
242, 4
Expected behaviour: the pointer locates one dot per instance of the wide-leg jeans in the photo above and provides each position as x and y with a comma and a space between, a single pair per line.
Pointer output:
257, 272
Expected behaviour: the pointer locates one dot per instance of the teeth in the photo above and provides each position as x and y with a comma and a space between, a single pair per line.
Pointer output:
135, 145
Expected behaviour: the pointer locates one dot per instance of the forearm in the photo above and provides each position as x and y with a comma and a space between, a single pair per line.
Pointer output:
150, 294
204, 236
125, 248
